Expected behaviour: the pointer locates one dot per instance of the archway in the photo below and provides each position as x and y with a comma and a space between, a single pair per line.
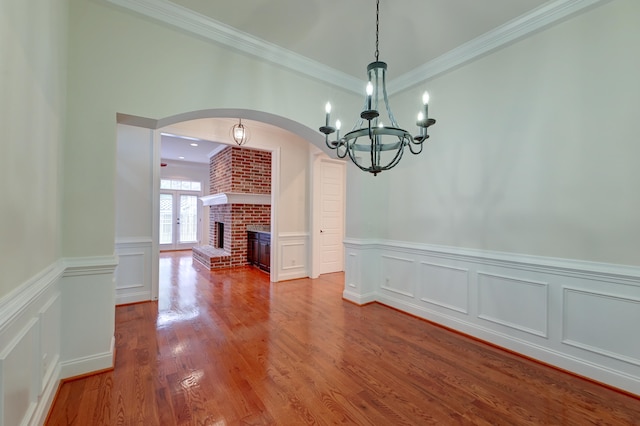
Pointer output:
202, 124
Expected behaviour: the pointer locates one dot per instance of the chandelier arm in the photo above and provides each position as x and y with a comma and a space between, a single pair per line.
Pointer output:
326, 141
419, 144
344, 154
333, 144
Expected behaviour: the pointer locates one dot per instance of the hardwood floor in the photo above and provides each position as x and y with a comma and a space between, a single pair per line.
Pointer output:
231, 348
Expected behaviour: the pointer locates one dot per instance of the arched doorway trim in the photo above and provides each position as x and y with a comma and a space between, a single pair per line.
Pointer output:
311, 135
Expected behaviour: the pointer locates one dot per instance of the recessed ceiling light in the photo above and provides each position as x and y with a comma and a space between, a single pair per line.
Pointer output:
193, 144
181, 157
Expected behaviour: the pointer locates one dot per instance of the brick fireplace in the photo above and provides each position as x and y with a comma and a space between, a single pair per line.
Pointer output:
240, 184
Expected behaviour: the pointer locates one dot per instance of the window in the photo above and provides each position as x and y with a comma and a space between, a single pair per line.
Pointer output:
180, 185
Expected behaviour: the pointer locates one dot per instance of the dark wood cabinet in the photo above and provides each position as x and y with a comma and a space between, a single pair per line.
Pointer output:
252, 247
264, 252
259, 250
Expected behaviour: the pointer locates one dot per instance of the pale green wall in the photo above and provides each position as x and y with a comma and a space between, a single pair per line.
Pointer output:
533, 151
122, 63
134, 180
32, 106
536, 148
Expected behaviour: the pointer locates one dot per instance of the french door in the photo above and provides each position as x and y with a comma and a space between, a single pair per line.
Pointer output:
178, 220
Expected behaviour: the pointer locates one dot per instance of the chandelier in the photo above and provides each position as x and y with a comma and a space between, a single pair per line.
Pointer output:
374, 143
240, 133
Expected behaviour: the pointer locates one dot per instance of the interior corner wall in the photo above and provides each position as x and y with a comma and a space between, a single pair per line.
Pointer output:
535, 150
45, 332
134, 213
33, 58
518, 223
367, 203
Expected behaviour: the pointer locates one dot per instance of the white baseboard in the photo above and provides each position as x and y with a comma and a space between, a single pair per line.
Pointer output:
359, 299
46, 399
87, 364
125, 299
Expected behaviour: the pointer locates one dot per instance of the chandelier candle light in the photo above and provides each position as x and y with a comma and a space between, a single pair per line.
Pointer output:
381, 145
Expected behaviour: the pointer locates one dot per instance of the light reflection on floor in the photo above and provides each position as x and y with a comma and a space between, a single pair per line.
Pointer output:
177, 297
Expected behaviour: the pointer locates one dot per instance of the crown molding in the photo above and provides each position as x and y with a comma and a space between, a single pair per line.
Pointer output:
518, 28
196, 23
193, 22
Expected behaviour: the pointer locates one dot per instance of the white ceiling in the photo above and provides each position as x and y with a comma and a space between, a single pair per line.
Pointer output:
335, 39
179, 148
211, 133
341, 33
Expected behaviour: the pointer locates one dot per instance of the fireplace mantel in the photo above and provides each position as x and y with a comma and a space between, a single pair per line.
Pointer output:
235, 198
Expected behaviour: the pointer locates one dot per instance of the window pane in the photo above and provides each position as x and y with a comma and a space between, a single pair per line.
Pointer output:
166, 218
188, 218
180, 185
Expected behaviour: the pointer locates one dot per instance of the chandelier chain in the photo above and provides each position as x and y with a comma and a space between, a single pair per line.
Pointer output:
377, 28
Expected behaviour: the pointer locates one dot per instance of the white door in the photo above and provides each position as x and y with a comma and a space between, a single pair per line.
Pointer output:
331, 216
178, 220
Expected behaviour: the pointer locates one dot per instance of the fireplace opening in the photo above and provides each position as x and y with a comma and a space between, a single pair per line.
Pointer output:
219, 235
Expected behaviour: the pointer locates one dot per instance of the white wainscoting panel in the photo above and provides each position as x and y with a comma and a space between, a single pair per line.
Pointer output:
56, 325
516, 303
294, 256
130, 271
88, 315
19, 373
579, 316
597, 322
360, 283
444, 286
398, 275
49, 321
352, 274
30, 348
133, 274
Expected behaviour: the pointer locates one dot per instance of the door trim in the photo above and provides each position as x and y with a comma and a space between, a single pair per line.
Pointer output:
315, 188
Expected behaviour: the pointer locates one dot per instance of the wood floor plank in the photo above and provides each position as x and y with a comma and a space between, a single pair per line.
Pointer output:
231, 348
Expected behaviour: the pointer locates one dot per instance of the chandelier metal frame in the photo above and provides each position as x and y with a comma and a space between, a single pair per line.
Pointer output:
384, 144
239, 133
